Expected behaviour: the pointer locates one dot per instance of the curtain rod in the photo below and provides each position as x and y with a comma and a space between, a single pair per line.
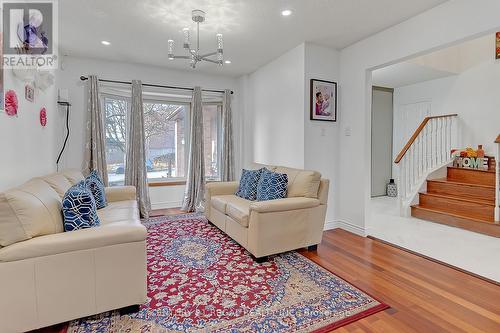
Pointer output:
83, 78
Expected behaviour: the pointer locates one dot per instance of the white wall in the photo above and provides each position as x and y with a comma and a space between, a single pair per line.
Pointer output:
473, 95
26, 148
69, 78
276, 97
321, 148
448, 23
275, 105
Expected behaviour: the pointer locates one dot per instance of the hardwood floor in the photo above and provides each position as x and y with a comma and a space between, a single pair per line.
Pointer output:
424, 296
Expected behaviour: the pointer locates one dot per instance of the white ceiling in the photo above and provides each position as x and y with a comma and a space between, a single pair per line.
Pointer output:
254, 31
448, 61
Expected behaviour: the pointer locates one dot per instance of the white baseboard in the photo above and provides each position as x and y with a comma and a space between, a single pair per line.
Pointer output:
166, 204
355, 229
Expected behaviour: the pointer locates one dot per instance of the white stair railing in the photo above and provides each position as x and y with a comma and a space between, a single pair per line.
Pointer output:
497, 181
427, 150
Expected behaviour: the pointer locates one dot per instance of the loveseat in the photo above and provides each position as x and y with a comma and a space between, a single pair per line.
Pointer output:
274, 226
48, 276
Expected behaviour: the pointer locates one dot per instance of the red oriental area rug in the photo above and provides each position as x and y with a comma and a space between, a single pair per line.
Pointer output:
199, 280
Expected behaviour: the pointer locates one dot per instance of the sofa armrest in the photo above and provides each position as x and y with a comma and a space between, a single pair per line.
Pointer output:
281, 205
83, 239
120, 193
221, 188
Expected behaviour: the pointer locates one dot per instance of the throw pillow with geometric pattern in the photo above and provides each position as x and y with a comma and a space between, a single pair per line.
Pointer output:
79, 208
96, 186
248, 184
272, 185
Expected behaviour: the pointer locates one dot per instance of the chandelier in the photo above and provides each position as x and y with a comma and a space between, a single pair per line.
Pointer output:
194, 54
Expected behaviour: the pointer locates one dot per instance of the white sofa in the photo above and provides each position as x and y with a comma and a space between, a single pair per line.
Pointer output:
270, 227
49, 276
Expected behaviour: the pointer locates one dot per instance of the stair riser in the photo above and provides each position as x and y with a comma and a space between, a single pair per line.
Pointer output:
463, 223
471, 176
461, 190
478, 210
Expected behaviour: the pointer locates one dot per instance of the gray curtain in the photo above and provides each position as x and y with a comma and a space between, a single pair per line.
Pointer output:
195, 183
227, 167
95, 141
135, 160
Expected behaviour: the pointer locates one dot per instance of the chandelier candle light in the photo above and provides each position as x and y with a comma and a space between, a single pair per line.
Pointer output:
194, 56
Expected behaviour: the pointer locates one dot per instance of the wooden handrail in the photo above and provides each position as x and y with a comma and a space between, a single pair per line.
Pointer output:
498, 139
417, 132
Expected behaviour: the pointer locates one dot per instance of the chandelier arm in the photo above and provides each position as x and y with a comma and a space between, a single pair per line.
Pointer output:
210, 60
182, 57
208, 54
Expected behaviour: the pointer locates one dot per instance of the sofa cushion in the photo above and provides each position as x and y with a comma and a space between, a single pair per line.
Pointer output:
301, 183
73, 175
30, 210
79, 208
247, 188
272, 185
91, 238
219, 202
234, 206
96, 186
239, 210
58, 182
119, 211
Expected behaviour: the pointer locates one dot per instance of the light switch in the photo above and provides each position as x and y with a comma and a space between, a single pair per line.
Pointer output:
323, 131
347, 131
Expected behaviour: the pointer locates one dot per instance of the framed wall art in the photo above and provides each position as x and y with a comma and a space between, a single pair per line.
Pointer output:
323, 100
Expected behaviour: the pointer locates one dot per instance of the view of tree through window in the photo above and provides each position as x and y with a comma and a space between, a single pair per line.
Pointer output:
166, 133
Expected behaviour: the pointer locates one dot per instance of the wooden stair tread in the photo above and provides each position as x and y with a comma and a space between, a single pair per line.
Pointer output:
473, 170
482, 226
458, 215
462, 198
456, 182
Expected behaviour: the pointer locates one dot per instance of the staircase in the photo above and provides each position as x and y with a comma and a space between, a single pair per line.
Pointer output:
464, 199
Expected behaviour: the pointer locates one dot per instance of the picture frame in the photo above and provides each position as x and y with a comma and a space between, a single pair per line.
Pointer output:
323, 100
29, 93
497, 45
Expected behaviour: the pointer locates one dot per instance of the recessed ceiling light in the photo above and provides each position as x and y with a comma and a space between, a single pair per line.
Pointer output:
227, 61
105, 42
286, 12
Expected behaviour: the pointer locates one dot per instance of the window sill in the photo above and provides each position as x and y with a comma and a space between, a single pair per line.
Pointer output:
174, 183
166, 183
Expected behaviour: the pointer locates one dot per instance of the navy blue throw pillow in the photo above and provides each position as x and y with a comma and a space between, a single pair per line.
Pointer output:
96, 186
272, 185
248, 184
79, 208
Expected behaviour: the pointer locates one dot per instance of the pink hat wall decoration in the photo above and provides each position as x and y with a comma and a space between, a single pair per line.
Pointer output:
43, 117
11, 103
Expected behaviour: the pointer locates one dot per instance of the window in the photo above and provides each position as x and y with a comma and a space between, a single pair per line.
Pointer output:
115, 109
166, 128
165, 132
212, 137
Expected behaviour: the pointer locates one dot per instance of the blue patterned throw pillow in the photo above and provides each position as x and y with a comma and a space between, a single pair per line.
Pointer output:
79, 208
96, 186
248, 184
272, 185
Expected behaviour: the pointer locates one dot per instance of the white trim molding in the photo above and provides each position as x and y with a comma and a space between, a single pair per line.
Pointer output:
166, 204
355, 229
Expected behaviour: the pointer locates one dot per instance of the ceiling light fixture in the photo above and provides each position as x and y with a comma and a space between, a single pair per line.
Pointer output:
286, 12
105, 42
227, 61
194, 56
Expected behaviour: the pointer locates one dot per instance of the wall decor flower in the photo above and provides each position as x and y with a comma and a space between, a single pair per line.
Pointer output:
11, 103
43, 117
